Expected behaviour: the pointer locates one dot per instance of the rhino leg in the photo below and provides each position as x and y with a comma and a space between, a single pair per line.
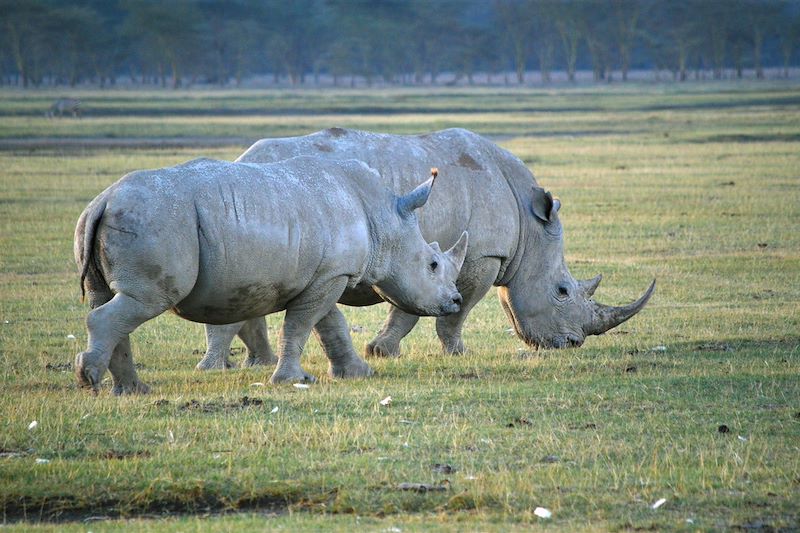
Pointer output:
473, 286
387, 343
255, 338
108, 325
218, 346
126, 381
302, 314
332, 332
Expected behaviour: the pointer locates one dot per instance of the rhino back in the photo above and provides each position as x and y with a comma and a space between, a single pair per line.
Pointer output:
475, 189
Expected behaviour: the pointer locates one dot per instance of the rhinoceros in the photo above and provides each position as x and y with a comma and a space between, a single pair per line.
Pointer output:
516, 241
219, 242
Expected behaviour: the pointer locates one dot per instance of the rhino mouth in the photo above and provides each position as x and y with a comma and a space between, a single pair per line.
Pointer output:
568, 340
449, 306
559, 341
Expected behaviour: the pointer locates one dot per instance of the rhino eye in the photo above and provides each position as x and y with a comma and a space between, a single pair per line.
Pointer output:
563, 290
434, 264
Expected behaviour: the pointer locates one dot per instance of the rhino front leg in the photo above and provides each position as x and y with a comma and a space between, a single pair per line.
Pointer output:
302, 314
255, 338
387, 343
476, 280
218, 346
334, 335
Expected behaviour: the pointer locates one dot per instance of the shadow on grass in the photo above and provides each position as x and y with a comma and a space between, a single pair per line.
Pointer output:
62, 509
747, 138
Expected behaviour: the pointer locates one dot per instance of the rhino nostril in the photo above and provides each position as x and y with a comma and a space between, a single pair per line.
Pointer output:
457, 299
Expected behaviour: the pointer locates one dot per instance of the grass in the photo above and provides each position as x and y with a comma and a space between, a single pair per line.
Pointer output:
696, 186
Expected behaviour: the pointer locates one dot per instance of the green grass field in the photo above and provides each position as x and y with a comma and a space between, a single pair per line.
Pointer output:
697, 186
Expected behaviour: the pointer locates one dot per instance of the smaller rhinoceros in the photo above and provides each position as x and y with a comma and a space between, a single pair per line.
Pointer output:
220, 242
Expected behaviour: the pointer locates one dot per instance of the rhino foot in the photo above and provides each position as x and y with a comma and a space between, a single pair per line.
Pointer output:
383, 348
137, 387
454, 347
261, 360
210, 362
353, 369
288, 376
88, 373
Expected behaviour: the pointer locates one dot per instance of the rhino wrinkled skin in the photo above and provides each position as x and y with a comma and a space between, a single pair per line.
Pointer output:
217, 242
515, 240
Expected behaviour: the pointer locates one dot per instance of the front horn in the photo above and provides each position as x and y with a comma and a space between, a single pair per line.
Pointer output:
588, 286
605, 317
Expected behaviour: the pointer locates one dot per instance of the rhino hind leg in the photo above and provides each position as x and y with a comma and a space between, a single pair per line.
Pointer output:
255, 337
387, 343
126, 381
473, 285
109, 325
333, 334
218, 346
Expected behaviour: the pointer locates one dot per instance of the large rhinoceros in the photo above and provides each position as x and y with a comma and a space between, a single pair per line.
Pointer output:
217, 242
515, 240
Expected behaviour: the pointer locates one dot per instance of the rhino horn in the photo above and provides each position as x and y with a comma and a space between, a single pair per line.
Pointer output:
415, 199
459, 250
588, 286
605, 317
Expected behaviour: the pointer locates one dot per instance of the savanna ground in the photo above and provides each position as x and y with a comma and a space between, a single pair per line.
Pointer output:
696, 400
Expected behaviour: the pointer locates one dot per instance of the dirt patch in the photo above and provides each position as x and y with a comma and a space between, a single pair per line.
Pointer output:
217, 406
58, 367
117, 454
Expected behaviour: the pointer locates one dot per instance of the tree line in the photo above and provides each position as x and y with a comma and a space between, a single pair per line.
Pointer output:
183, 42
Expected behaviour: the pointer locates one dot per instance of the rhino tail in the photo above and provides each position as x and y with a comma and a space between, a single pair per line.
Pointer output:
85, 235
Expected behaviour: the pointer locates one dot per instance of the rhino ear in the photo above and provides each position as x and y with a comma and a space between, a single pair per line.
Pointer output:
543, 205
415, 199
458, 252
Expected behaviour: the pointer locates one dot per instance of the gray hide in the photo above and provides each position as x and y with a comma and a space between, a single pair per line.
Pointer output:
515, 236
220, 242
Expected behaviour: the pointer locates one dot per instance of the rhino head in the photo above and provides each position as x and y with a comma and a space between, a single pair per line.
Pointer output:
418, 277
547, 306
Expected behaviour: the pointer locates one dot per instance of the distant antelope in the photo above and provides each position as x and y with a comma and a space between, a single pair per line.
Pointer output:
63, 106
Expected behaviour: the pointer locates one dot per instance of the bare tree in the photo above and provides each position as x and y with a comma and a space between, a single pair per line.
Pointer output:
21, 26
626, 18
545, 36
788, 30
568, 24
517, 18
597, 32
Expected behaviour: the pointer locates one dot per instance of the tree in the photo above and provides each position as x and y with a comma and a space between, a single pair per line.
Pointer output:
597, 31
788, 29
626, 17
763, 17
544, 36
568, 23
167, 35
297, 31
79, 43
23, 37
517, 18
715, 16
